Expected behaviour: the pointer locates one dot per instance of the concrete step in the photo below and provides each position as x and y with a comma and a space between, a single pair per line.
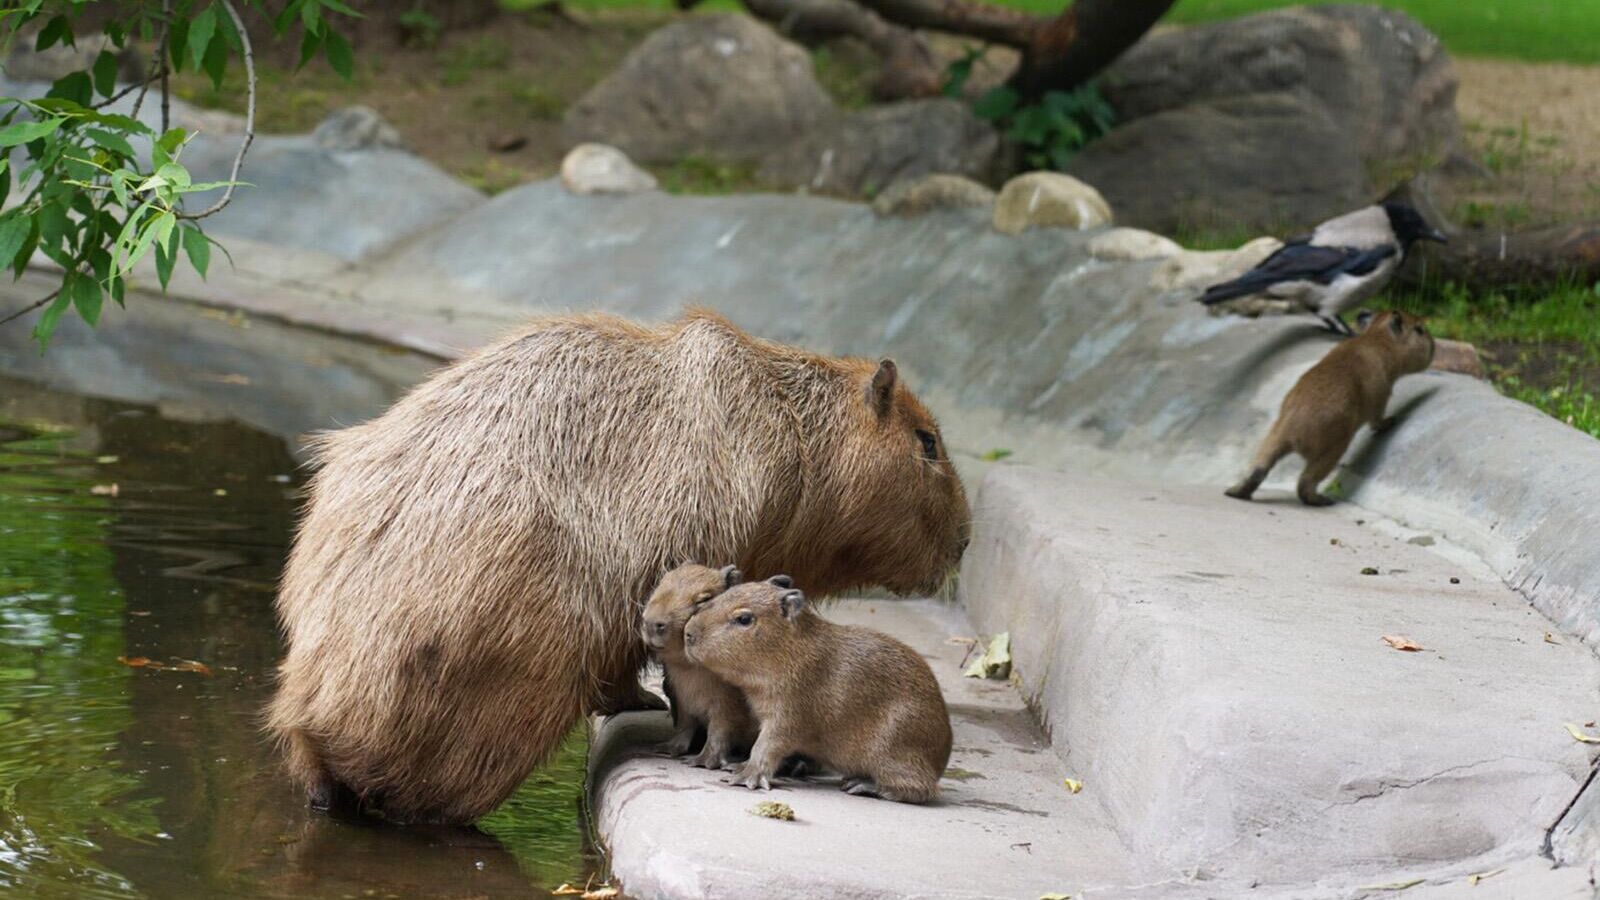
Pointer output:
1005, 825
1215, 672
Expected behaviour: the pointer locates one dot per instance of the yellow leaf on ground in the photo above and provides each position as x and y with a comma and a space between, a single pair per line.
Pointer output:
1550, 638
1073, 785
1402, 643
1392, 886
566, 890
105, 490
1474, 879
1055, 897
995, 661
772, 809
1578, 735
604, 892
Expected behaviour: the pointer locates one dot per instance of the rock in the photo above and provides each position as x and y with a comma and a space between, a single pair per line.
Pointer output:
724, 86
1266, 162
355, 128
910, 197
1456, 356
1132, 243
1383, 80
23, 63
599, 169
866, 151
1048, 200
1199, 269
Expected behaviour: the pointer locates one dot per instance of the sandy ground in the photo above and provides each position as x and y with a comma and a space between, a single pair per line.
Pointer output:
1536, 127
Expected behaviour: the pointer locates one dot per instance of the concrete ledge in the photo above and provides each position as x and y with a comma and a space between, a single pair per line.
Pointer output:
1216, 669
1005, 825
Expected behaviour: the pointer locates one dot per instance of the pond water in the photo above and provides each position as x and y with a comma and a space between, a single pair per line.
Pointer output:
138, 556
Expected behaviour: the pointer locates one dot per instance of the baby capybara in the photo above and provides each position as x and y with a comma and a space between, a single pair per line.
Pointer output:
701, 700
468, 577
1346, 389
854, 700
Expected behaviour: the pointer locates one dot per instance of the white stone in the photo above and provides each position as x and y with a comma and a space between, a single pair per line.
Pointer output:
602, 169
1049, 200
1120, 244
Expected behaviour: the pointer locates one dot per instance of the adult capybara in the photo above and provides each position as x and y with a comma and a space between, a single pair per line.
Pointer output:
469, 575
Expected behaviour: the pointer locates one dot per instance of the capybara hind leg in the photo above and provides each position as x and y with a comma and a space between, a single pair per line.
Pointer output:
1271, 451
903, 785
323, 791
682, 743
1317, 469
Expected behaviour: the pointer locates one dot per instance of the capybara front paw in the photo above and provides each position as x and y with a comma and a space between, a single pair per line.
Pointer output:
710, 758
1316, 500
860, 786
753, 777
1240, 492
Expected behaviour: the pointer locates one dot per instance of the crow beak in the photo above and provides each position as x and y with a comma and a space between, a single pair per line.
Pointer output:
1434, 234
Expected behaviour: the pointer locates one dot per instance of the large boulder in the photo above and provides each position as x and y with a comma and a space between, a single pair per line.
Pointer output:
725, 86
866, 151
1271, 121
1384, 81
1262, 161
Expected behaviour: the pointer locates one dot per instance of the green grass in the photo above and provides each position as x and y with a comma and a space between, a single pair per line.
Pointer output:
1541, 30
1542, 349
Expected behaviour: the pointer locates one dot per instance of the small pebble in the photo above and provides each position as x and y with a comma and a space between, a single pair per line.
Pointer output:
1369, 571
1454, 580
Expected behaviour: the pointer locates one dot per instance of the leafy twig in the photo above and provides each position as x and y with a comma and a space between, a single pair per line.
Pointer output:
249, 116
141, 85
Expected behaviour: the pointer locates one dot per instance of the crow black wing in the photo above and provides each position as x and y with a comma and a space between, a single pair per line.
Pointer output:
1300, 262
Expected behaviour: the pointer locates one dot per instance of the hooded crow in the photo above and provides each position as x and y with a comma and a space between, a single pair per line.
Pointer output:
1338, 266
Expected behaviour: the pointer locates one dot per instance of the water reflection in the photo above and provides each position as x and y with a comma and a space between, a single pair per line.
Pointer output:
123, 534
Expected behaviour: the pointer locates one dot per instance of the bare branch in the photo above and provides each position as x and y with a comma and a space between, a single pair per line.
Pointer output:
249, 116
158, 65
1089, 35
985, 21
141, 85
31, 307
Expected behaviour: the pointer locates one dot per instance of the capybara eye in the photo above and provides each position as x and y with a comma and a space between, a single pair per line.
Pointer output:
703, 598
659, 627
930, 444
744, 618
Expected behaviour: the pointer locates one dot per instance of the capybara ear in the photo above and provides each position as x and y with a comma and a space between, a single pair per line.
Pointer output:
1363, 319
731, 576
881, 394
1396, 324
791, 604
782, 581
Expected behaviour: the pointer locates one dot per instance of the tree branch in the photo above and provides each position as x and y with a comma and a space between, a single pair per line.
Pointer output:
249, 116
145, 84
1075, 46
31, 307
987, 22
909, 68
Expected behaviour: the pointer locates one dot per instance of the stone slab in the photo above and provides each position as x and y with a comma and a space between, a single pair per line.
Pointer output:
1216, 669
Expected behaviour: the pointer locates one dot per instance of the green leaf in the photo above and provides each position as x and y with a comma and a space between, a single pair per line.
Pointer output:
166, 257
110, 140
14, 230
57, 29
156, 232
25, 254
198, 246
86, 298
76, 87
311, 17
105, 73
338, 7
178, 42
172, 140
996, 104
215, 63
46, 325
309, 45
339, 55
201, 28
25, 132
5, 179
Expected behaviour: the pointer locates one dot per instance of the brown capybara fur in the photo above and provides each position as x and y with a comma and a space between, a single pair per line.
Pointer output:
852, 699
1328, 405
701, 701
469, 574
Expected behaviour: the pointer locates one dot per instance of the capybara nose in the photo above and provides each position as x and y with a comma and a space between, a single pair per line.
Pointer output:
688, 638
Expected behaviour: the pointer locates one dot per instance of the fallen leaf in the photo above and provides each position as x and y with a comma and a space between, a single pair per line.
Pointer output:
566, 890
1474, 879
962, 640
288, 839
1392, 886
1073, 785
221, 492
105, 490
1402, 643
138, 612
995, 661
106, 460
1055, 897
996, 455
772, 809
1578, 735
189, 665
604, 892
1550, 638
135, 662
1369, 571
